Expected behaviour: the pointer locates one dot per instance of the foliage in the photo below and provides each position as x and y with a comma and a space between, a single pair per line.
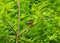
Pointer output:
44, 13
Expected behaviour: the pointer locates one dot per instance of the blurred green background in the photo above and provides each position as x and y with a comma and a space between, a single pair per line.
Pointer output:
45, 15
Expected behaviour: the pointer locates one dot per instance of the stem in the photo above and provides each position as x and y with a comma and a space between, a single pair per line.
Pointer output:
18, 21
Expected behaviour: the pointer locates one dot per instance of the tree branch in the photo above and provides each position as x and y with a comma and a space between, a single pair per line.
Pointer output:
17, 31
11, 28
25, 30
48, 18
26, 40
23, 39
28, 28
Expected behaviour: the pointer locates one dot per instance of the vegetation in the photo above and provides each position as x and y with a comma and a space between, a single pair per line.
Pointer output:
29, 21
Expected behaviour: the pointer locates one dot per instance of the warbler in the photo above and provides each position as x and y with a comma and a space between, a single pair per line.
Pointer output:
30, 22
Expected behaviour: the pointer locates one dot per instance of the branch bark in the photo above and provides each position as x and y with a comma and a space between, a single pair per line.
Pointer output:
18, 3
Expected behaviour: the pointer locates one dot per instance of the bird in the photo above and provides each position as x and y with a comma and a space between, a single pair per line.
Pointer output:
30, 22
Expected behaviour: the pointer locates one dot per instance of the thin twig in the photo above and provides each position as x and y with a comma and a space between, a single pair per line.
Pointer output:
25, 30
8, 24
13, 37
26, 40
47, 18
11, 27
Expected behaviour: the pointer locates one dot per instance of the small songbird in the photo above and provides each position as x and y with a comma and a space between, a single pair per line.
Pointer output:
30, 22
